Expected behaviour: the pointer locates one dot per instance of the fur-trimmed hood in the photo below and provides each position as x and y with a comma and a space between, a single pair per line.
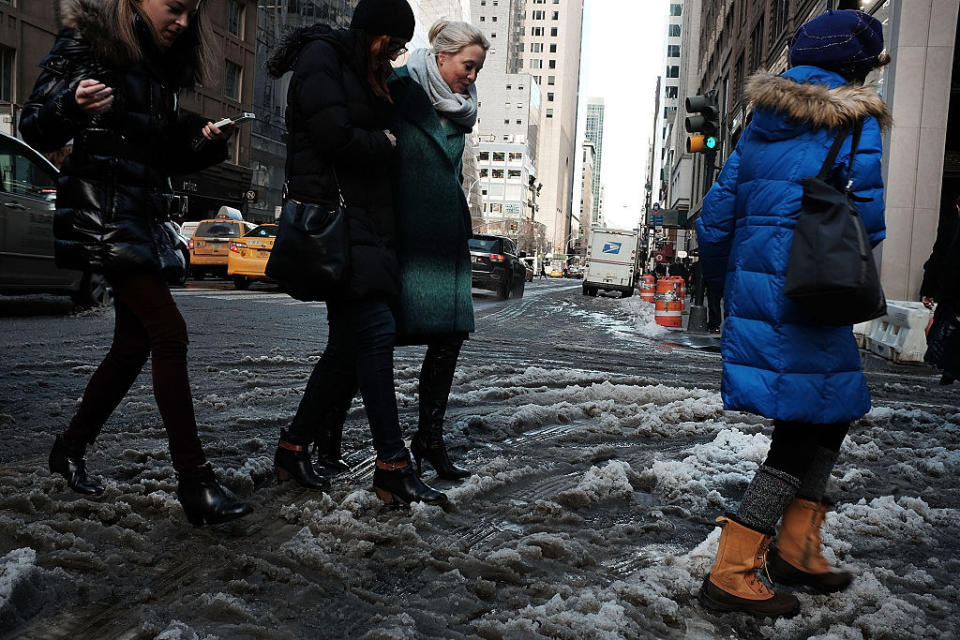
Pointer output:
816, 98
91, 27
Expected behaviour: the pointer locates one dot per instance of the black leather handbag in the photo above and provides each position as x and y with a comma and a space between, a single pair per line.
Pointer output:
831, 273
311, 254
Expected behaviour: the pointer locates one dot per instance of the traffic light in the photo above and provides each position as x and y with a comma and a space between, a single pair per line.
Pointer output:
705, 125
513, 227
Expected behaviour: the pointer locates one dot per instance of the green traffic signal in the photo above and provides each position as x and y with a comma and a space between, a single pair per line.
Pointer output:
711, 142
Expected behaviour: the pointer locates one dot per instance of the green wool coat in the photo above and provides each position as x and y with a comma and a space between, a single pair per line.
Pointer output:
433, 219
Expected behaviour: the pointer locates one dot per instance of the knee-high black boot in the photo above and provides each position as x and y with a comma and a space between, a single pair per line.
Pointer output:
436, 378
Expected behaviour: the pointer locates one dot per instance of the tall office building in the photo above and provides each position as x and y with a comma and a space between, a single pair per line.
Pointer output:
588, 206
594, 133
508, 126
552, 36
679, 183
670, 102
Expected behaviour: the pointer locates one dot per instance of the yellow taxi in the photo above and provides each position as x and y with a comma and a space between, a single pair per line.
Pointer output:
209, 245
247, 256
556, 273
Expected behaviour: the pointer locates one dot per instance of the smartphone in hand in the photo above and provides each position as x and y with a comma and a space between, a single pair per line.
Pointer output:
199, 142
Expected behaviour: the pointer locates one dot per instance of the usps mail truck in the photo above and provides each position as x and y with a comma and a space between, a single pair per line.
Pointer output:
611, 262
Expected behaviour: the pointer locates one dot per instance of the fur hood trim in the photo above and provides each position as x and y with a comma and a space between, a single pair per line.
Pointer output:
88, 18
816, 103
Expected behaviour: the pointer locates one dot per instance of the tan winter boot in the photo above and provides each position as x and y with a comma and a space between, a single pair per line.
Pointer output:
733, 585
798, 557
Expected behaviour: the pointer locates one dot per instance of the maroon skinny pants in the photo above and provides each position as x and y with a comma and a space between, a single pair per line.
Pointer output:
148, 323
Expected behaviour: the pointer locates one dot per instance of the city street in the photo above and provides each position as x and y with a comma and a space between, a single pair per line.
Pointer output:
600, 457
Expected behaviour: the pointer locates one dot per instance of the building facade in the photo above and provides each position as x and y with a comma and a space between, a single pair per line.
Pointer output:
28, 30
668, 105
552, 37
588, 206
594, 133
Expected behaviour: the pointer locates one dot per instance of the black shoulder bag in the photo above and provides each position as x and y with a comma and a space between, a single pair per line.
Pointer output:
311, 254
831, 273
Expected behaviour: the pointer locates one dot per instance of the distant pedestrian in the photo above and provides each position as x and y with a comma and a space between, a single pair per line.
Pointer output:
543, 270
777, 362
941, 286
110, 83
714, 308
338, 113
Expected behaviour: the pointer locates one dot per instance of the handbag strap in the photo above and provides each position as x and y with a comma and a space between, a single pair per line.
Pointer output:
827, 167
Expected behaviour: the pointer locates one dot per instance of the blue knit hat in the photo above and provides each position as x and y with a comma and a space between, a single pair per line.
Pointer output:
846, 41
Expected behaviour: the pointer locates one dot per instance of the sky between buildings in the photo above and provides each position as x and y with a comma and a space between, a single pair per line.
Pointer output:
623, 48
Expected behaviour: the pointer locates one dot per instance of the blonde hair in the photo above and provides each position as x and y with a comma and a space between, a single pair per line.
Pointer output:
448, 36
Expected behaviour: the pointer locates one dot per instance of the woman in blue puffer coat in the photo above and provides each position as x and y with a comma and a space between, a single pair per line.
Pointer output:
776, 362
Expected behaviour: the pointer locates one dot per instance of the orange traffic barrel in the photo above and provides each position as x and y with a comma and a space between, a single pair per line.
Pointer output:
647, 286
668, 311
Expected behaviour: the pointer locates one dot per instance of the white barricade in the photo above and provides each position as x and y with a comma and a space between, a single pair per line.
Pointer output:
900, 335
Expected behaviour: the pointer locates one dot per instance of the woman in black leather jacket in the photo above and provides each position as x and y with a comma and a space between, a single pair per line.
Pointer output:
111, 83
338, 109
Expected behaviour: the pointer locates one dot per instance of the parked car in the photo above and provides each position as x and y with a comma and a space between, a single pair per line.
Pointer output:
248, 255
210, 245
497, 266
28, 193
574, 272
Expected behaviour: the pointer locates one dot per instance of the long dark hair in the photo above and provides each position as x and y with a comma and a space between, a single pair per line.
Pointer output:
378, 66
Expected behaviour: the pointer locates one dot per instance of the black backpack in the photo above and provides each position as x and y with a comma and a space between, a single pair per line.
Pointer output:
831, 273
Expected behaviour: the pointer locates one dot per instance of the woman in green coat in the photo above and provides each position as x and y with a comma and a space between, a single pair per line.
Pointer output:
436, 107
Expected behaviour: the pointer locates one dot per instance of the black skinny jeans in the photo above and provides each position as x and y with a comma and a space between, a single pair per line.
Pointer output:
794, 444
147, 323
359, 353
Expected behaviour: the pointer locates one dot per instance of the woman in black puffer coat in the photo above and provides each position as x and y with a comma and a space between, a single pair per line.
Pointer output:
941, 286
110, 83
337, 138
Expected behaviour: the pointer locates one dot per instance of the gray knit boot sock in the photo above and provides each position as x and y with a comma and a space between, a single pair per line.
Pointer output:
814, 484
767, 497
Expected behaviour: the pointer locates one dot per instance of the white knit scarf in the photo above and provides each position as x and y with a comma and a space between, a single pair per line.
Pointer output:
458, 107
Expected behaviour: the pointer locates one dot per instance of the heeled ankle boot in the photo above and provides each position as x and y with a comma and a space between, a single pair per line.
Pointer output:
204, 500
436, 377
66, 458
292, 461
327, 446
396, 483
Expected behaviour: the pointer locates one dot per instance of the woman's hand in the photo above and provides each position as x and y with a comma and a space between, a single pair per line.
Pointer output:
927, 301
210, 132
93, 96
392, 138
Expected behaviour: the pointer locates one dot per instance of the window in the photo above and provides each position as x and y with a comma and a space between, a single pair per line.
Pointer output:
539, 15
484, 155
673, 71
676, 9
484, 173
549, 97
235, 18
519, 121
24, 175
553, 31
514, 157
674, 31
549, 113
7, 59
553, 48
536, 64
498, 174
513, 174
483, 18
673, 51
493, 34
536, 31
553, 64
494, 18
551, 80
555, 16
233, 74
756, 46
672, 92
498, 156
506, 121
781, 9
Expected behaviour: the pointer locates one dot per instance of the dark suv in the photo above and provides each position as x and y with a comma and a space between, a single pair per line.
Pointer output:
497, 265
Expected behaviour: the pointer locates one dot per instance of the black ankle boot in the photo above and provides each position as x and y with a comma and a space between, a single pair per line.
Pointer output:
327, 446
431, 447
292, 461
66, 458
204, 500
396, 483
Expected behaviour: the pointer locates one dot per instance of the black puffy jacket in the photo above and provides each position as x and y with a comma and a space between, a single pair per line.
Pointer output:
335, 129
941, 272
114, 193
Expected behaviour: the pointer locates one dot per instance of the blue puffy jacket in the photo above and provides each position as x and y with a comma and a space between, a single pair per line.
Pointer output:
775, 362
